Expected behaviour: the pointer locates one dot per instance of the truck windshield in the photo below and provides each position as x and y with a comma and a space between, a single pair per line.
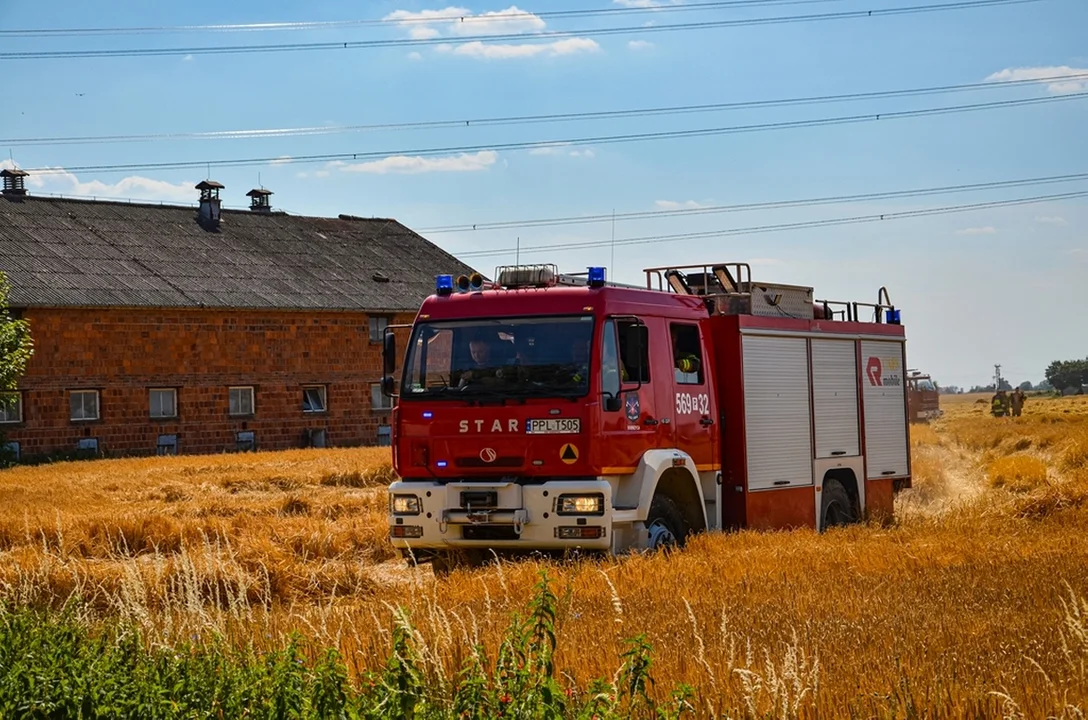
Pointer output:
506, 357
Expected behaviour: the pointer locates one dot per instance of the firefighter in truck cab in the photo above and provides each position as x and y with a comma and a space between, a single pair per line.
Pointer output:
553, 413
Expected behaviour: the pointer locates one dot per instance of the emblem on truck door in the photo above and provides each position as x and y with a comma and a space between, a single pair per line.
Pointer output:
631, 406
488, 455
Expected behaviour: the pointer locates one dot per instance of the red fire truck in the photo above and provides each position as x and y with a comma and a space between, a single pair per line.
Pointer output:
550, 412
923, 398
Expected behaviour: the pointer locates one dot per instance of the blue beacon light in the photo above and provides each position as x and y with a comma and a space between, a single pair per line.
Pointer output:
596, 277
443, 285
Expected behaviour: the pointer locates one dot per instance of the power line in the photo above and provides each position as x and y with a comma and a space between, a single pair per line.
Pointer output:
748, 207
536, 119
433, 19
522, 37
754, 230
597, 140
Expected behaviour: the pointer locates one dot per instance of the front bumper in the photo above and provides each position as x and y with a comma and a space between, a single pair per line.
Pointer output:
508, 516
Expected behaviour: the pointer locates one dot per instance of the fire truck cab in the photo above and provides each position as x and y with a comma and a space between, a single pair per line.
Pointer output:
549, 412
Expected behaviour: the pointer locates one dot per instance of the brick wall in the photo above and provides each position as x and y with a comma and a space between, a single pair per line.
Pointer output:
123, 353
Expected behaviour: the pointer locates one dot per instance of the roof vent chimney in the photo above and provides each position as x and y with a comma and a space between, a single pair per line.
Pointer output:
259, 200
14, 181
209, 203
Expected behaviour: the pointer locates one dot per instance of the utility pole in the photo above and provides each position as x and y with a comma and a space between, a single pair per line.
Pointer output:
997, 378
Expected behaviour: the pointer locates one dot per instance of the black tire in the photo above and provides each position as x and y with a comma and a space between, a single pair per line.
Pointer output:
443, 563
837, 508
665, 524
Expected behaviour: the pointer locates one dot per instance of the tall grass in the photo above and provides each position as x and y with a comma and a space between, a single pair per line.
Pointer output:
970, 604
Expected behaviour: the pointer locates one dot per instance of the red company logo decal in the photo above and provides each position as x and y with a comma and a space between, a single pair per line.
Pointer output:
875, 370
488, 455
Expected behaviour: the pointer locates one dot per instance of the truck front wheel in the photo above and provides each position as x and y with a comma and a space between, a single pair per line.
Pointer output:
665, 524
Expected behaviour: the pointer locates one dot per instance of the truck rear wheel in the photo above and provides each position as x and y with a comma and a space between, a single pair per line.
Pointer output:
837, 507
665, 524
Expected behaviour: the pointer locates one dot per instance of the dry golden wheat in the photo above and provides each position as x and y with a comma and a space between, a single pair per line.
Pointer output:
975, 589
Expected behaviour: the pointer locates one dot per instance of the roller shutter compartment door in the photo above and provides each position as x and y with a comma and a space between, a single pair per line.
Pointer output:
835, 398
884, 398
776, 412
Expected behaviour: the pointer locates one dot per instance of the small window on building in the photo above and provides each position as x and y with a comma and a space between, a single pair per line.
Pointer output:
313, 398
164, 402
385, 435
379, 401
84, 404
11, 407
87, 446
315, 437
168, 445
378, 324
241, 401
245, 441
687, 356
10, 451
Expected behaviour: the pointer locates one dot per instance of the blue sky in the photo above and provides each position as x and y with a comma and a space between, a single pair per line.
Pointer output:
1005, 285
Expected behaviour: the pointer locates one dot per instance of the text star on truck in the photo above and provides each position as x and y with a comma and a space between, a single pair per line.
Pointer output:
542, 412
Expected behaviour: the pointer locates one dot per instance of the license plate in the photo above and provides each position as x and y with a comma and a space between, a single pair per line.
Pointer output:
554, 426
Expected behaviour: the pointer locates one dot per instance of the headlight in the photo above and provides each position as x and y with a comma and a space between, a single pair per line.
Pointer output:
405, 505
580, 504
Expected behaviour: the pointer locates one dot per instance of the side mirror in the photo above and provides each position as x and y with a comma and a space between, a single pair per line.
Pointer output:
389, 386
389, 353
612, 403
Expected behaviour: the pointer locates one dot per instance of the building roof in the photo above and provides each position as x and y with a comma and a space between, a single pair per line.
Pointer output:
64, 253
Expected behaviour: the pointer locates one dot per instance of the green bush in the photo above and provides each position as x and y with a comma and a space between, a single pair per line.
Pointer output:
53, 666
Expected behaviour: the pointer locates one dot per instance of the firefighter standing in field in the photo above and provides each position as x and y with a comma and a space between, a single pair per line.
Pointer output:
1016, 402
999, 405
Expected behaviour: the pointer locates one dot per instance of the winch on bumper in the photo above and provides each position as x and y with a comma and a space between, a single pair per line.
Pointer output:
501, 514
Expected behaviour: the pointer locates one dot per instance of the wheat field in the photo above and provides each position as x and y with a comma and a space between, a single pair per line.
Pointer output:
972, 603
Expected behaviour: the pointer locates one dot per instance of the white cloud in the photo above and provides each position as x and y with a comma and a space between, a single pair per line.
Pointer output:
423, 32
453, 20
1051, 220
134, 187
489, 51
582, 154
1040, 73
553, 149
321, 173
987, 230
639, 45
188, 58
674, 205
500, 22
458, 22
414, 56
405, 165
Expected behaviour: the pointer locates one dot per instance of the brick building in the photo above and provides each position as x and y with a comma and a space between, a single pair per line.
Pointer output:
194, 330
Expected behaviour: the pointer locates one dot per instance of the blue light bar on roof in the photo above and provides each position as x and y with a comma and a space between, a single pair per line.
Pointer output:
596, 277
443, 284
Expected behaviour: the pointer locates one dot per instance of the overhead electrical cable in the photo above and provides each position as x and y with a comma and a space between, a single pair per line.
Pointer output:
538, 119
757, 229
592, 140
519, 37
749, 207
434, 18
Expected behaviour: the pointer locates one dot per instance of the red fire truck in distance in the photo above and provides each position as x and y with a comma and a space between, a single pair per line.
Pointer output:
549, 412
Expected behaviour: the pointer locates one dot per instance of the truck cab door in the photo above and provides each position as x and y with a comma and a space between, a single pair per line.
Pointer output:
629, 425
693, 408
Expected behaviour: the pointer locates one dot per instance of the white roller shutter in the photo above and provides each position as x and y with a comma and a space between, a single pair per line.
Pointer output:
776, 412
886, 451
835, 398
